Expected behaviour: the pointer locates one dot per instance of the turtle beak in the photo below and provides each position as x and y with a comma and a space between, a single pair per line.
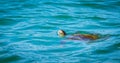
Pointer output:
61, 35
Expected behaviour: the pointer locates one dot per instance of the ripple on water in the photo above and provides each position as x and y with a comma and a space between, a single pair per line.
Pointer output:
11, 58
7, 21
28, 31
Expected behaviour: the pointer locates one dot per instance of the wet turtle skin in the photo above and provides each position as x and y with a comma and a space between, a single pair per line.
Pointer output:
84, 37
80, 35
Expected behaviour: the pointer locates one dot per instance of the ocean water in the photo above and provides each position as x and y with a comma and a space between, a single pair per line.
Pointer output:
28, 31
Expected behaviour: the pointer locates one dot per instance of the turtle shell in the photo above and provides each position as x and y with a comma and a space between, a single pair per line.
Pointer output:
82, 35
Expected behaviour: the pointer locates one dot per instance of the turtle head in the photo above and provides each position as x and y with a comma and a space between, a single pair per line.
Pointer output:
61, 33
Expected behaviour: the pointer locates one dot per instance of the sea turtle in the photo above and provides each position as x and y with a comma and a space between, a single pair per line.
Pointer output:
80, 35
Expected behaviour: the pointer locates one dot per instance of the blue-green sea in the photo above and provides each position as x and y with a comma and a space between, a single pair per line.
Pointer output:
28, 31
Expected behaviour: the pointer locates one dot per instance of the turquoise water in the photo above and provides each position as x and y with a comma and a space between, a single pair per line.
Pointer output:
28, 31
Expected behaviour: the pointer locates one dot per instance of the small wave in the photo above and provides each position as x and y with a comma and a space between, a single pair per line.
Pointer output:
7, 21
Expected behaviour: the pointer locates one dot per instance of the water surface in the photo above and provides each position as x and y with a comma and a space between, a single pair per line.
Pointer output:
28, 31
